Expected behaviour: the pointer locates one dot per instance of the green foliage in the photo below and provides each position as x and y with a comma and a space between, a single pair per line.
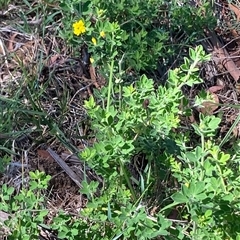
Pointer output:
145, 39
132, 127
209, 186
129, 26
195, 18
4, 4
112, 216
4, 162
26, 208
139, 30
142, 120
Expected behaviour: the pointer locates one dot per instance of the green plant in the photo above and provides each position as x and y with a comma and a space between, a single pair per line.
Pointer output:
4, 162
26, 208
131, 33
138, 31
195, 18
209, 186
111, 216
142, 121
4, 3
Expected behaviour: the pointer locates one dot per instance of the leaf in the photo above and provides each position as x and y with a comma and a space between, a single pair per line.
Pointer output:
215, 184
42, 214
228, 197
165, 223
224, 158
62, 235
214, 123
74, 231
33, 175
208, 168
90, 104
185, 189
216, 88
201, 196
198, 187
179, 198
192, 157
192, 54
10, 190
210, 106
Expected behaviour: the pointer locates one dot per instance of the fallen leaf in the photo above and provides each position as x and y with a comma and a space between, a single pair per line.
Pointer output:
93, 76
214, 89
235, 9
44, 154
210, 106
53, 59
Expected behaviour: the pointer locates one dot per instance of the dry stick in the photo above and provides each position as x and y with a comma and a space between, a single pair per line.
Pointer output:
65, 167
93, 76
223, 56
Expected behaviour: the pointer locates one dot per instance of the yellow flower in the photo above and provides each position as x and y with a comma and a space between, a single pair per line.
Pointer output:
94, 41
102, 34
79, 27
91, 60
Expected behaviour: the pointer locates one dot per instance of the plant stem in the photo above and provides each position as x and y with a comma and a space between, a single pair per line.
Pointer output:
110, 85
128, 181
202, 157
110, 82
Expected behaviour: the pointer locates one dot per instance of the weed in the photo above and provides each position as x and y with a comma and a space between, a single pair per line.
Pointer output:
26, 209
140, 147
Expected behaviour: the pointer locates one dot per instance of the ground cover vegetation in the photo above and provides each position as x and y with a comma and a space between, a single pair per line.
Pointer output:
119, 120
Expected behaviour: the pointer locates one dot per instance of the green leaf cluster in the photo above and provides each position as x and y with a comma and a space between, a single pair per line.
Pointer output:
27, 210
140, 30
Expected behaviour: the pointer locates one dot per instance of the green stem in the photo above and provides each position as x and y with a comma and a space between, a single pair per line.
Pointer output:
110, 82
120, 82
128, 181
120, 96
221, 177
202, 157
110, 85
